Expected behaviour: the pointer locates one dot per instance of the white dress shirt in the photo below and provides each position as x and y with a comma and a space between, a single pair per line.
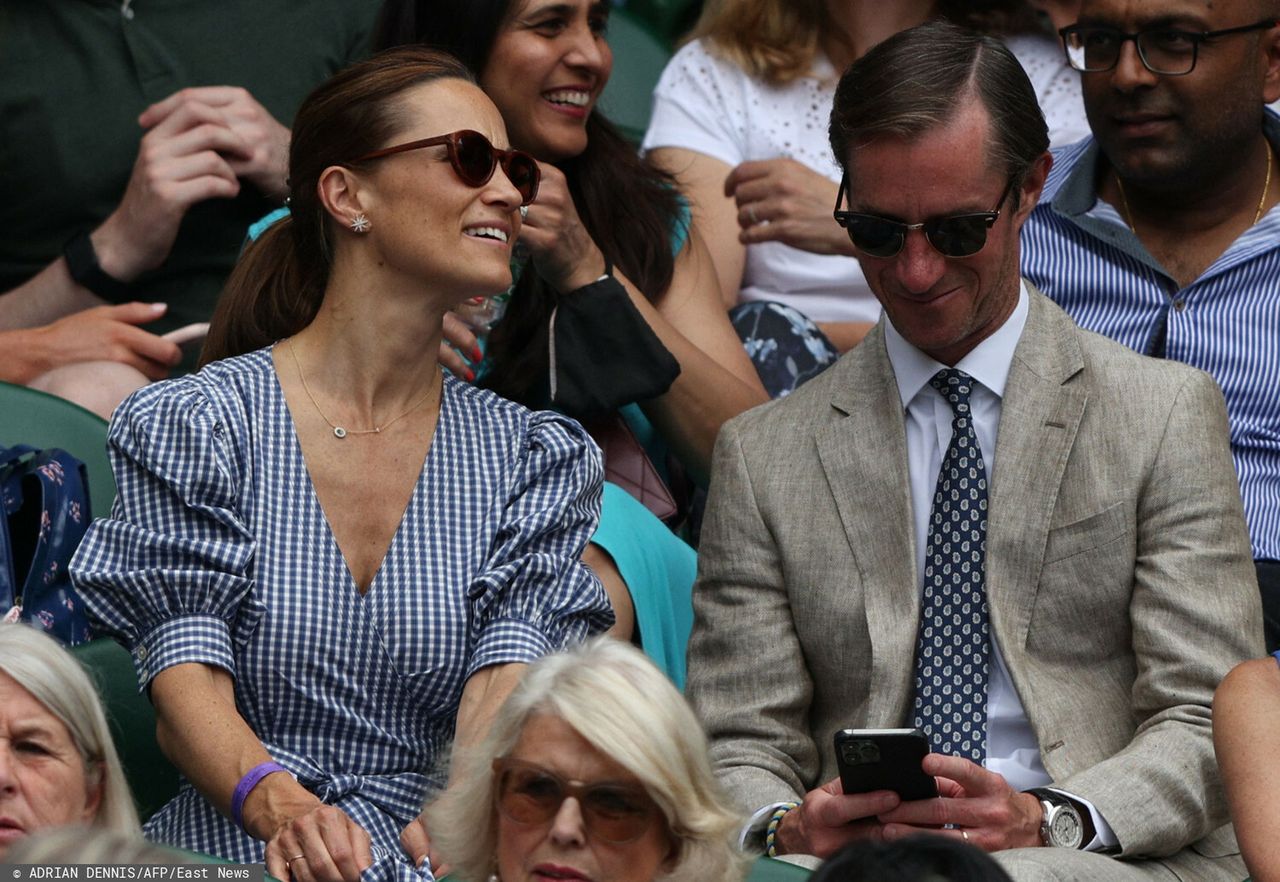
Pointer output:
1012, 749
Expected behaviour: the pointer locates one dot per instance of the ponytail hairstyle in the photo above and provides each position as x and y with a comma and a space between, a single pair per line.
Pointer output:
630, 208
277, 285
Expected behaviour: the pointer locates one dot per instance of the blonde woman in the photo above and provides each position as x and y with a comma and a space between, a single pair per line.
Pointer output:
740, 117
595, 768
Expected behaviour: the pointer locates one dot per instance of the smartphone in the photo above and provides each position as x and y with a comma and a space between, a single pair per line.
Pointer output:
884, 759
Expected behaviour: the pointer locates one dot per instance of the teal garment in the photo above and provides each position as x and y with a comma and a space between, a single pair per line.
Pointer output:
658, 567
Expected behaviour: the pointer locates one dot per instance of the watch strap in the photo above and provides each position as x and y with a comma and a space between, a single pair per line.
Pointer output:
82, 264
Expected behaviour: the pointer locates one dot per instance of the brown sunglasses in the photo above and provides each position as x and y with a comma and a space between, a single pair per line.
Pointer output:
473, 159
612, 811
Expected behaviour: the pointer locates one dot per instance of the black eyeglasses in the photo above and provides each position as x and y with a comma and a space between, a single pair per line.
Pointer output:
1169, 52
611, 811
473, 159
959, 235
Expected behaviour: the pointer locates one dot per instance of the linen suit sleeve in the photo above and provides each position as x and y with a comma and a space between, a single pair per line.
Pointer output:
1195, 613
168, 573
747, 678
535, 595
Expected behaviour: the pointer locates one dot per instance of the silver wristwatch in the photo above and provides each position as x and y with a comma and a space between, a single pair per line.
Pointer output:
1061, 826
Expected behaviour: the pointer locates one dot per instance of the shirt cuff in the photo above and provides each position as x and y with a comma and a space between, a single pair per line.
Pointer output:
1104, 838
204, 639
505, 641
751, 838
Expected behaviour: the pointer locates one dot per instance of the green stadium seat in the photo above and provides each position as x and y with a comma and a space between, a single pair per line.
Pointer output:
767, 869
43, 420
639, 56
151, 777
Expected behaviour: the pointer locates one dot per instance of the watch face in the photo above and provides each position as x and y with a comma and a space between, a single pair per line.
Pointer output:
1065, 830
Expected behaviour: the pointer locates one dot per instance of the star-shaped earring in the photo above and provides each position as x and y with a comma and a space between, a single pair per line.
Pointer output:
360, 224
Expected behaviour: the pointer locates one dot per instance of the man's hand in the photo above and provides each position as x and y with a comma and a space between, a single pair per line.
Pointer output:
263, 157
781, 200
981, 806
199, 144
104, 333
828, 819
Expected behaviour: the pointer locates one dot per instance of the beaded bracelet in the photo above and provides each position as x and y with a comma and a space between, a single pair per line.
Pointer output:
247, 783
771, 832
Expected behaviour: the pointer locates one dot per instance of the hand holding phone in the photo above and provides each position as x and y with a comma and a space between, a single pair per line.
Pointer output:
884, 759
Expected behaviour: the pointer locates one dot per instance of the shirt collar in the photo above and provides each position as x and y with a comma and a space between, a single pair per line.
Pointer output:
988, 363
1078, 193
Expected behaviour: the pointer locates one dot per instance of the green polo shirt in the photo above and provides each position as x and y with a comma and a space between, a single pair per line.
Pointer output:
77, 73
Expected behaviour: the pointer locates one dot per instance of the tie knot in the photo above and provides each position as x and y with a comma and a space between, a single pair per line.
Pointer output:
954, 386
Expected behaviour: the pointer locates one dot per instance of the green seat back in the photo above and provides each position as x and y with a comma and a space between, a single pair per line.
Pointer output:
152, 778
42, 420
670, 19
638, 59
766, 869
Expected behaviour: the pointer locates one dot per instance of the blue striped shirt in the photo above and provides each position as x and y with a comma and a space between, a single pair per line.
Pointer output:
1078, 250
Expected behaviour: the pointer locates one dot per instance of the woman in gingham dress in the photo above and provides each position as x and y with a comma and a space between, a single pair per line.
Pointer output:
325, 554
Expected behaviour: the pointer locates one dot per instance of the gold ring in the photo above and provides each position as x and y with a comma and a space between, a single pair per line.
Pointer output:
751, 213
965, 834
289, 861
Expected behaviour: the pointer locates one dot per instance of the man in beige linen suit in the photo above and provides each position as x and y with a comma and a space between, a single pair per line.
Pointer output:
1114, 581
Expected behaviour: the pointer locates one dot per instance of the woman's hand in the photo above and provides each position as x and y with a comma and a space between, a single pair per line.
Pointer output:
320, 844
781, 200
417, 845
459, 338
563, 251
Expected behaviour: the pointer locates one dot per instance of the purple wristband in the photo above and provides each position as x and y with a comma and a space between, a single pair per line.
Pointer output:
247, 783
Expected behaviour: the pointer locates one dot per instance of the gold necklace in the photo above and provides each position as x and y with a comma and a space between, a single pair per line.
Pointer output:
1257, 215
341, 431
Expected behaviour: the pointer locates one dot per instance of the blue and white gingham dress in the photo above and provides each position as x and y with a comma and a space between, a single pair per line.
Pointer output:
217, 552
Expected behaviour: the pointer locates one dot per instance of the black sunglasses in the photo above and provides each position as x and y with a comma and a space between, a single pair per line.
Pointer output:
611, 811
473, 159
1169, 52
959, 235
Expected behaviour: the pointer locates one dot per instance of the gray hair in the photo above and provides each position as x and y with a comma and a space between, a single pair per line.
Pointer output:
89, 845
38, 664
628, 710
917, 80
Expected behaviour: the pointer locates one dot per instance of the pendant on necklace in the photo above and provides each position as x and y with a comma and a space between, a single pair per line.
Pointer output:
339, 432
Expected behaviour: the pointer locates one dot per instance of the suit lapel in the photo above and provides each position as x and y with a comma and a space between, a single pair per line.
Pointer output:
1040, 415
863, 455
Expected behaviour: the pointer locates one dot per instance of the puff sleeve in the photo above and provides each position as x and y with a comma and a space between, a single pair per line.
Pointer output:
168, 573
534, 594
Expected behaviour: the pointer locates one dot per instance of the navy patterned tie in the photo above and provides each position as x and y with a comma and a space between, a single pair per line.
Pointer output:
954, 644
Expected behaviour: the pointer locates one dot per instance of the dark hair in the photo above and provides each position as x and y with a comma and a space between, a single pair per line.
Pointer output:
999, 17
920, 858
915, 81
277, 285
629, 207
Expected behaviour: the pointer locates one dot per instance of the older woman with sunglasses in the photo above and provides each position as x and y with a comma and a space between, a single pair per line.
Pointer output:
595, 768
330, 560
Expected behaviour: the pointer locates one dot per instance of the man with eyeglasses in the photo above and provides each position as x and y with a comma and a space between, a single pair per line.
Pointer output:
983, 522
1160, 230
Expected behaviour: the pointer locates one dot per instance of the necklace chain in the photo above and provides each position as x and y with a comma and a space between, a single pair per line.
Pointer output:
1257, 215
342, 431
